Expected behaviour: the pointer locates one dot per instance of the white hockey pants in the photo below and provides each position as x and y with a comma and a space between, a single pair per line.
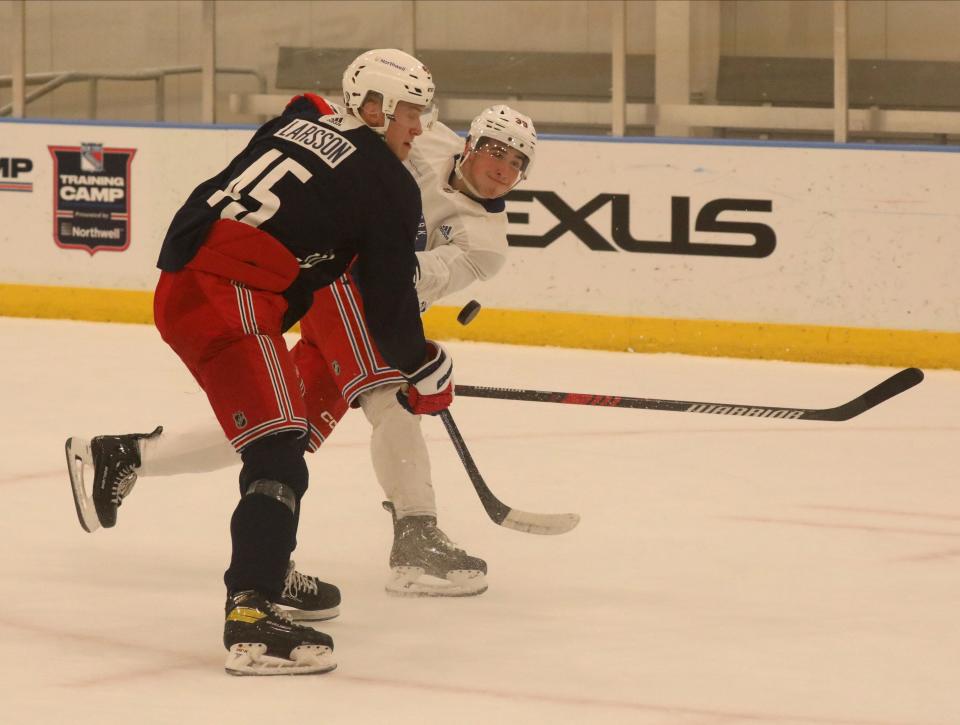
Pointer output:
399, 453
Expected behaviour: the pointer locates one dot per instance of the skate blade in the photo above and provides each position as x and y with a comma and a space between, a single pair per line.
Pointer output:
78, 453
306, 615
412, 581
250, 659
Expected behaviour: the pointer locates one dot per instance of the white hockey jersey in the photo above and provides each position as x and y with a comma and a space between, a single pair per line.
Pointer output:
466, 239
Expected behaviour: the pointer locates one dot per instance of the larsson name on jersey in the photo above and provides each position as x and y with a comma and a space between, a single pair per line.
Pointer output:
327, 144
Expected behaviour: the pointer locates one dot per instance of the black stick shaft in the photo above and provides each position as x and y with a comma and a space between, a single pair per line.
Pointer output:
894, 385
495, 508
501, 514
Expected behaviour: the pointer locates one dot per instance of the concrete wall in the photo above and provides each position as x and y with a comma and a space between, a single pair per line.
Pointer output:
98, 34
879, 29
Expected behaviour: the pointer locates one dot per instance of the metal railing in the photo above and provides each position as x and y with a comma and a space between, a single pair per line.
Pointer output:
676, 108
49, 82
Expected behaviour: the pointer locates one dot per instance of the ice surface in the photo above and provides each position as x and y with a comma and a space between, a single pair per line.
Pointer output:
727, 570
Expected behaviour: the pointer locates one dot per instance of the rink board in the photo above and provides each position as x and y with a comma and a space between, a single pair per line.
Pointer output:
803, 251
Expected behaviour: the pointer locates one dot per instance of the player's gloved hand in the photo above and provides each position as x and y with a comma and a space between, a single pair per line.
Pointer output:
430, 388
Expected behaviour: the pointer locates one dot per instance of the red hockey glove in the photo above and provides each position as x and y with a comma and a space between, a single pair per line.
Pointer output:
430, 388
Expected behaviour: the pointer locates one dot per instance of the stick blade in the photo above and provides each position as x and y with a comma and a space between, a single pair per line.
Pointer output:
892, 386
532, 523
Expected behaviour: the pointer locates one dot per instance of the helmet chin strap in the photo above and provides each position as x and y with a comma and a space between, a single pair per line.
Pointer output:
463, 178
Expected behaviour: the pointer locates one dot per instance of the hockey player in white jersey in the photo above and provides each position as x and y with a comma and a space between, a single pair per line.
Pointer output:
463, 239
462, 187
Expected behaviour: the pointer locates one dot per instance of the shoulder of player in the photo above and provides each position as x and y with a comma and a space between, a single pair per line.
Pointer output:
305, 118
383, 177
312, 108
310, 104
469, 229
341, 142
474, 215
444, 134
435, 148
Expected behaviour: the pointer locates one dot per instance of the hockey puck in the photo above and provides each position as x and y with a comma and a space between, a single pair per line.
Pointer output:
469, 311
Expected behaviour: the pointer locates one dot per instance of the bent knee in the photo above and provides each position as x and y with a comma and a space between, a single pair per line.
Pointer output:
381, 403
276, 457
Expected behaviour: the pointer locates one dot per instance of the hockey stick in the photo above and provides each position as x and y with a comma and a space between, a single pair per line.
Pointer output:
496, 509
894, 385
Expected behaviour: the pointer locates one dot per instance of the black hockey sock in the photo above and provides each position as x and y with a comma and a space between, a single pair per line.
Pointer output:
263, 529
278, 458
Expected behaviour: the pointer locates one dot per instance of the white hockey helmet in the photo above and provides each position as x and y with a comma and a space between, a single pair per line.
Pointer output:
395, 75
508, 126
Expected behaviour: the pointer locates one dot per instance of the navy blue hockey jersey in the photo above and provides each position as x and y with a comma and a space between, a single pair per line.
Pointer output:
329, 190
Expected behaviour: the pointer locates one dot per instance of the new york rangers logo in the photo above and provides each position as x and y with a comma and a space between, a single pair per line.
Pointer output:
91, 157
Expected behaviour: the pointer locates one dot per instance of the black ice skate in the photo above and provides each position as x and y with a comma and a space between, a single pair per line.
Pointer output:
420, 549
309, 598
114, 460
261, 640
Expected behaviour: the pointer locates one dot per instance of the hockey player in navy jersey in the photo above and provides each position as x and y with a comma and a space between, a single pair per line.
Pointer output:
464, 239
314, 193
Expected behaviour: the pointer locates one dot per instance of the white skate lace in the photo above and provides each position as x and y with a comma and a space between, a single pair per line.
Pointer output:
279, 613
124, 484
297, 582
435, 533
